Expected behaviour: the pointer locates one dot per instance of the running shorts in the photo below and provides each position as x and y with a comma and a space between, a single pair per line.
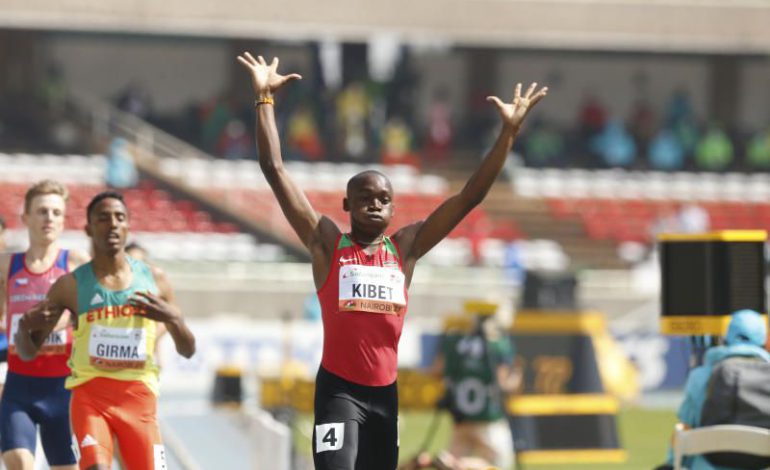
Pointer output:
356, 426
29, 402
102, 408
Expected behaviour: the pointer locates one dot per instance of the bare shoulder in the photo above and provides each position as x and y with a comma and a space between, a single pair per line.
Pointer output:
405, 236
157, 273
64, 292
161, 280
77, 258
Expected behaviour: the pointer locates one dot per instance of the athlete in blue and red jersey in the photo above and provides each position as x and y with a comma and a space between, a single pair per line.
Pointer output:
362, 279
34, 394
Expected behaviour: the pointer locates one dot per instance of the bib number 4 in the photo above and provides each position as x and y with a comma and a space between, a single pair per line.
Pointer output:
329, 436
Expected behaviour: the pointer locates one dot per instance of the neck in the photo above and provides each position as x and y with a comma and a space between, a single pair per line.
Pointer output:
367, 239
109, 263
41, 251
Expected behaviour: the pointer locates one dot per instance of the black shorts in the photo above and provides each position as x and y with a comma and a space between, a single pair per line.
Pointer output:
356, 427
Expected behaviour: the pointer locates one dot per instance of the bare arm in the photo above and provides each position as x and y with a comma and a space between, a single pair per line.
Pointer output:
41, 320
305, 221
318, 233
509, 377
162, 309
417, 239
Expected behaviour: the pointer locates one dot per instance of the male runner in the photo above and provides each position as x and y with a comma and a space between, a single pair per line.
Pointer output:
34, 393
362, 279
118, 303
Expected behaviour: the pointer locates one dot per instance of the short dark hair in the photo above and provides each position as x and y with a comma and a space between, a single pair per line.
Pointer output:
101, 197
358, 178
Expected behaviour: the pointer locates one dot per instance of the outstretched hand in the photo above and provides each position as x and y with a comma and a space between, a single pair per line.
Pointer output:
513, 114
265, 78
153, 307
42, 316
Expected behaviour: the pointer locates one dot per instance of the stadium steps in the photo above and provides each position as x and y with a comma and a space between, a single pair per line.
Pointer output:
535, 219
247, 224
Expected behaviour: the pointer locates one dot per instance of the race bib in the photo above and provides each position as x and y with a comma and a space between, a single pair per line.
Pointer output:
371, 289
56, 343
117, 348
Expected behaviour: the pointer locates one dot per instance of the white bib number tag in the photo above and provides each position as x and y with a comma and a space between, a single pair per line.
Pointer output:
117, 348
329, 436
56, 343
372, 289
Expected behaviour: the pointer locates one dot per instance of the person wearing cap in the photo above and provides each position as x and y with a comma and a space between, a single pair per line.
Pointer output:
746, 336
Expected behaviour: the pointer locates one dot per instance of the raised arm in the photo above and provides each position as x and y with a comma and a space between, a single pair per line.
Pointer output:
37, 323
309, 225
162, 309
417, 239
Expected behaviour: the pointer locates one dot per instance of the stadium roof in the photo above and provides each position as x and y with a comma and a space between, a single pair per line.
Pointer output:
700, 26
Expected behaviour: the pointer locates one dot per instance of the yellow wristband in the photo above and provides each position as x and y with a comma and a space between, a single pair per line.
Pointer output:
263, 100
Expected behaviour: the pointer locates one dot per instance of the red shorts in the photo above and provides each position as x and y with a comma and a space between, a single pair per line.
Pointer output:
102, 408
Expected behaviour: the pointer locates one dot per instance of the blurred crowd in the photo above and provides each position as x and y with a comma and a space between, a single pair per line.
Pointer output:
669, 139
370, 122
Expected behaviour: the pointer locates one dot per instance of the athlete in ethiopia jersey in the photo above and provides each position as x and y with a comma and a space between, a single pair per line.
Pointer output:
118, 303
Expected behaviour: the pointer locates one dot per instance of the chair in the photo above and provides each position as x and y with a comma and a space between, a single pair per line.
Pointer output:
732, 438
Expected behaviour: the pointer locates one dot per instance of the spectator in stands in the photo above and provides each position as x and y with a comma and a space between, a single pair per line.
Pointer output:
397, 144
715, 150
121, 169
746, 336
679, 108
544, 146
440, 132
666, 152
615, 145
353, 106
215, 115
53, 90
758, 152
641, 123
592, 117
234, 142
303, 137
687, 134
135, 99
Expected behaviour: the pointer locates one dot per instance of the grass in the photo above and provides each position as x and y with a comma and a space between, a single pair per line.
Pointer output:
644, 433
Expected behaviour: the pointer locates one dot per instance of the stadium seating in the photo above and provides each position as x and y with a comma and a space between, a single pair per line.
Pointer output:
170, 228
178, 229
624, 205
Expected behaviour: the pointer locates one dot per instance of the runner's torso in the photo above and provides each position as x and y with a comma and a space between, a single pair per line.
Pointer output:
112, 340
26, 289
363, 304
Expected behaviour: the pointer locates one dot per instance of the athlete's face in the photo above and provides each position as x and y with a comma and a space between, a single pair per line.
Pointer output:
45, 218
108, 226
370, 202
